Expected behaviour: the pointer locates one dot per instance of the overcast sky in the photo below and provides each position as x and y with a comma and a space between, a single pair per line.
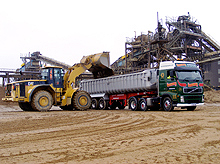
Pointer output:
66, 30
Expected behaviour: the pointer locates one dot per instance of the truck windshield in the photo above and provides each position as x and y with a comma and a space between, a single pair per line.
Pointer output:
189, 75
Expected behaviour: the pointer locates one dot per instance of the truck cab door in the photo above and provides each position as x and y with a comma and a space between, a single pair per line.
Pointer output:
167, 83
171, 81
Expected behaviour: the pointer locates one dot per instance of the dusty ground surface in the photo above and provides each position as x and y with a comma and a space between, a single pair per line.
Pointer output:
111, 136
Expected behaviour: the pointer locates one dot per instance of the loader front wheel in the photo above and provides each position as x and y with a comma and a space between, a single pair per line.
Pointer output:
81, 100
42, 101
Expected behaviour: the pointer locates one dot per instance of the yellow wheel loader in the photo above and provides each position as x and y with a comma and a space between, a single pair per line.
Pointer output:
58, 88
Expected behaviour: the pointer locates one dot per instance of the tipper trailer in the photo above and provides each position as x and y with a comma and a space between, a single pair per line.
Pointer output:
174, 84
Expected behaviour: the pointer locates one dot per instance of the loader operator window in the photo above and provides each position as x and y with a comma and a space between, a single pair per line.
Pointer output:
57, 76
44, 74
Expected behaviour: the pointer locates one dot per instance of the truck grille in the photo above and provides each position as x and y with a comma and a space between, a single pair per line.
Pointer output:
192, 90
193, 99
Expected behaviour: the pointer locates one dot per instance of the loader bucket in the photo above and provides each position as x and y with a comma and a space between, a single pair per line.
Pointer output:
100, 64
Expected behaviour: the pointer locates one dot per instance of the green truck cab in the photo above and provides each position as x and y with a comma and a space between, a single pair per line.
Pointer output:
180, 85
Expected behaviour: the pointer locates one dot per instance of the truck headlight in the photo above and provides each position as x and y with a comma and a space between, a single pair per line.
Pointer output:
182, 99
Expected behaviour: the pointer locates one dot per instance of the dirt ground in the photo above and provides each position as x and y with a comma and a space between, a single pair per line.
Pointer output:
111, 136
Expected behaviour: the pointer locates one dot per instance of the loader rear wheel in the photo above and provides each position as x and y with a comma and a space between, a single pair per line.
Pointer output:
81, 100
42, 101
25, 106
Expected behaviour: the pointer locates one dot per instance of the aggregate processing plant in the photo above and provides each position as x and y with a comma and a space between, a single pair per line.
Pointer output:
182, 38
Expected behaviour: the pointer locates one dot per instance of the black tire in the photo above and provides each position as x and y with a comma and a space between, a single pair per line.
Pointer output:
81, 100
102, 104
191, 108
142, 104
133, 105
121, 104
25, 106
42, 101
167, 104
94, 104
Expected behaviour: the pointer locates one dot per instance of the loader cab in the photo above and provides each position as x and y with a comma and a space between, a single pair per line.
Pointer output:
53, 75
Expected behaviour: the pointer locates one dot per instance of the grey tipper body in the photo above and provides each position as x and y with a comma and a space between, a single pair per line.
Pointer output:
134, 82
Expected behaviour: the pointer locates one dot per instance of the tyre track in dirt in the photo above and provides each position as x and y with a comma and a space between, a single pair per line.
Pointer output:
110, 137
118, 124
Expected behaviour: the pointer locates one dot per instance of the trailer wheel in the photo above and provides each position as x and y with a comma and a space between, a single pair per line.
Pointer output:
25, 106
42, 101
81, 100
133, 103
142, 104
102, 104
167, 104
191, 108
94, 104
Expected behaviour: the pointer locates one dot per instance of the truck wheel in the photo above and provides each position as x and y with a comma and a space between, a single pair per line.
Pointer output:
191, 108
25, 106
42, 101
142, 104
167, 104
133, 103
102, 104
94, 104
81, 100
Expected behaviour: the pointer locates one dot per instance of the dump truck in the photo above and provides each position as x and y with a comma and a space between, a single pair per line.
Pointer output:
57, 87
174, 84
